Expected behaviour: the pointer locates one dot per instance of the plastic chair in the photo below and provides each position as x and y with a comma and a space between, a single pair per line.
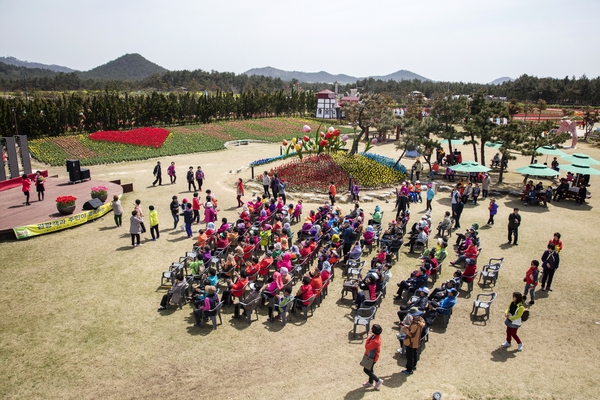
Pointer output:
469, 283
252, 308
363, 317
214, 313
491, 270
484, 304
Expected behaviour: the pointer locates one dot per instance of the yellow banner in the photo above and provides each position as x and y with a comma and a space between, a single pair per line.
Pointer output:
70, 221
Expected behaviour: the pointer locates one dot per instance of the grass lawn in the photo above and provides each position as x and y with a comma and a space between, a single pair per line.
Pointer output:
79, 315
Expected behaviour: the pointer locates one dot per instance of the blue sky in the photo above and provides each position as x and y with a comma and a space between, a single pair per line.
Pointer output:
458, 40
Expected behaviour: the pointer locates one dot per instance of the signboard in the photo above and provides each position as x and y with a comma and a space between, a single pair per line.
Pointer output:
69, 221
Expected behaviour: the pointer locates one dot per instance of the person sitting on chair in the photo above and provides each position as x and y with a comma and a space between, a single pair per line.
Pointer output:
496, 161
470, 253
304, 293
210, 302
420, 302
235, 289
448, 302
368, 287
469, 274
445, 225
418, 278
174, 294
421, 238
440, 293
254, 294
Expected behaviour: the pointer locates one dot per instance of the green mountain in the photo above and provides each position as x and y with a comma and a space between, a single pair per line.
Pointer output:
34, 65
130, 67
11, 71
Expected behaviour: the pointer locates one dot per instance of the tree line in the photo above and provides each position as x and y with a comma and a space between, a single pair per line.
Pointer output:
108, 110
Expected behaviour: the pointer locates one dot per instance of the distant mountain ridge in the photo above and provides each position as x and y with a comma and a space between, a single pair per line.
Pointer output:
326, 77
500, 81
19, 63
130, 67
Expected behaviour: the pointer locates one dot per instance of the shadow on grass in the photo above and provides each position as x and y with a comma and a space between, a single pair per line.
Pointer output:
123, 248
178, 239
502, 354
478, 320
505, 246
107, 228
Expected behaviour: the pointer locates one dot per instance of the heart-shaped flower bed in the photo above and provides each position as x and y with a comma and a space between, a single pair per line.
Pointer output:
148, 137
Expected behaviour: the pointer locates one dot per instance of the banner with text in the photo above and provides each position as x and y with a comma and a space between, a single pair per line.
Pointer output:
70, 221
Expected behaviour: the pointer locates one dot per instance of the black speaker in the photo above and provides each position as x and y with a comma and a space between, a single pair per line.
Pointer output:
84, 174
74, 176
92, 204
73, 165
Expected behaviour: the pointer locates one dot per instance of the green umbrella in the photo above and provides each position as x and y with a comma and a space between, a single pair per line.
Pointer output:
537, 170
580, 159
579, 169
494, 145
454, 141
469, 166
550, 151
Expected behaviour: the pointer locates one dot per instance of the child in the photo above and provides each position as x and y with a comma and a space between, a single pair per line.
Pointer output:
531, 281
39, 185
117, 210
493, 207
475, 193
196, 207
26, 183
153, 215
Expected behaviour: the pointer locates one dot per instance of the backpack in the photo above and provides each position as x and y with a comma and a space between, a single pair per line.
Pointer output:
525, 316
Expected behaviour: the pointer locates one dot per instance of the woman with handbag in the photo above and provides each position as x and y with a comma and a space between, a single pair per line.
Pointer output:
513, 314
372, 349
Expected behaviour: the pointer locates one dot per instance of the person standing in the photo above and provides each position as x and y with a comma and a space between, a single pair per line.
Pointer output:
513, 320
138, 208
25, 186
135, 228
153, 216
188, 218
239, 187
39, 185
485, 185
117, 210
282, 186
190, 179
196, 207
157, 174
372, 350
332, 192
174, 207
171, 172
412, 341
266, 183
199, 178
417, 167
458, 209
550, 263
531, 281
493, 208
514, 221
430, 196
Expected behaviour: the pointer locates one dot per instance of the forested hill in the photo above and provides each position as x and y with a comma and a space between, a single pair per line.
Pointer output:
130, 67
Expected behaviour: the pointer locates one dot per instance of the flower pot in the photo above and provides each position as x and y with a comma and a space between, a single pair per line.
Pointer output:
101, 197
65, 210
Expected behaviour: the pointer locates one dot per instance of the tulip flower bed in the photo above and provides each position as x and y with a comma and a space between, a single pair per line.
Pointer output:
368, 173
149, 137
386, 161
311, 173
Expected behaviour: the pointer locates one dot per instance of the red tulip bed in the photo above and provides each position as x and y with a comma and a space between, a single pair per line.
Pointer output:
147, 137
312, 172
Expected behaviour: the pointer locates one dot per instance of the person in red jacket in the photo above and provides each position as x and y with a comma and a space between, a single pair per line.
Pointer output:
531, 281
304, 293
372, 350
469, 274
470, 253
26, 185
558, 244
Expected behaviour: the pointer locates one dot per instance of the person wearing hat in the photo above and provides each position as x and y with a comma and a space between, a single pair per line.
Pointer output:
210, 302
375, 217
420, 302
254, 294
448, 302
418, 278
470, 271
514, 221
412, 341
372, 350
441, 292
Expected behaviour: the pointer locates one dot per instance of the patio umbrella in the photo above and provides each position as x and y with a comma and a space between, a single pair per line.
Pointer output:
454, 141
550, 151
580, 169
580, 159
494, 145
469, 166
537, 170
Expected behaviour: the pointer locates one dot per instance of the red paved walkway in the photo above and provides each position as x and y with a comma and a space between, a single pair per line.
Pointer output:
14, 213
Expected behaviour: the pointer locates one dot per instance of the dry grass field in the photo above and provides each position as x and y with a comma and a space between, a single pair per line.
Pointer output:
79, 313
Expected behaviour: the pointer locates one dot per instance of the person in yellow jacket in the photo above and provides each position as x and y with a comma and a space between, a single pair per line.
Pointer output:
513, 314
153, 215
